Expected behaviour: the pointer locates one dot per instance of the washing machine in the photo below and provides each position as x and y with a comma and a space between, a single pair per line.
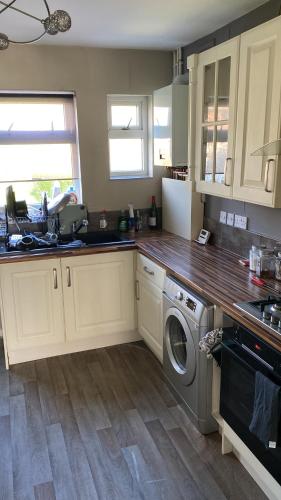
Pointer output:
187, 318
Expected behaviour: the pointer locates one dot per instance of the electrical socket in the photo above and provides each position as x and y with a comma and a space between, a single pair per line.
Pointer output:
230, 219
240, 221
222, 217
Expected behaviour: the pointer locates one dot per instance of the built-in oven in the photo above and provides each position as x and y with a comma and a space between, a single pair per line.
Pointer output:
243, 354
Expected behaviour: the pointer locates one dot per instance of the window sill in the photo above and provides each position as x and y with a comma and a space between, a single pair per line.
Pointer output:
130, 177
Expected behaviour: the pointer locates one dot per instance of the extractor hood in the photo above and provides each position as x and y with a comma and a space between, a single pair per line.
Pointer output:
271, 148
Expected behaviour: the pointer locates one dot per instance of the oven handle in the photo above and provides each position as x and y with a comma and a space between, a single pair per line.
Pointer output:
242, 360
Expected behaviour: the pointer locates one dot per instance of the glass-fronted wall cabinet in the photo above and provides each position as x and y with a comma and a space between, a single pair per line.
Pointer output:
217, 74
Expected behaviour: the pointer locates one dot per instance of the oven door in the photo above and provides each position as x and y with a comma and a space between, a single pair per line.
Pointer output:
238, 369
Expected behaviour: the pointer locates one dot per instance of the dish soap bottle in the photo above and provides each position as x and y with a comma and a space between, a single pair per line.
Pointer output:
152, 219
123, 223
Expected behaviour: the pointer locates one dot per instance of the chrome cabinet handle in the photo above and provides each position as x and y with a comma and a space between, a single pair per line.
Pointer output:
68, 276
137, 290
55, 274
151, 273
267, 167
226, 163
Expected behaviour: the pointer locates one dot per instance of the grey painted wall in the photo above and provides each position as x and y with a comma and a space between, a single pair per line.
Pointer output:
261, 220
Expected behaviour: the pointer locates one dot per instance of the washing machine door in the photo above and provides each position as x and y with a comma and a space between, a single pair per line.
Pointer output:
179, 346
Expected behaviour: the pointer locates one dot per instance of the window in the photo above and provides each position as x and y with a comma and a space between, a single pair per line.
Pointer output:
128, 136
38, 145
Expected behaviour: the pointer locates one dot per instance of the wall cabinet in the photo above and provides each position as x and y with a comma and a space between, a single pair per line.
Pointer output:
217, 75
149, 289
235, 116
170, 125
258, 114
55, 306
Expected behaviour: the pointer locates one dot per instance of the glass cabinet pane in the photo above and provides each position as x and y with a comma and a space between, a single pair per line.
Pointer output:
221, 151
223, 89
209, 93
208, 153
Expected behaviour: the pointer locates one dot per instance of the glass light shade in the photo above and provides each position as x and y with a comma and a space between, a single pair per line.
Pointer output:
63, 20
51, 25
4, 41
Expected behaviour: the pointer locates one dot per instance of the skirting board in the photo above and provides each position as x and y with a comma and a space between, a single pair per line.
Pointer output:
48, 351
258, 472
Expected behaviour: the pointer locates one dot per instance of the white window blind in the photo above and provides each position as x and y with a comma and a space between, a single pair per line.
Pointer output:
38, 144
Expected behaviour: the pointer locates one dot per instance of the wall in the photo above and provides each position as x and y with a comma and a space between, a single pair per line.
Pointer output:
262, 220
93, 73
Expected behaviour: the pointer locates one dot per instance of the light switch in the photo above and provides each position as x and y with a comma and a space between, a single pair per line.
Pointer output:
241, 221
222, 217
230, 219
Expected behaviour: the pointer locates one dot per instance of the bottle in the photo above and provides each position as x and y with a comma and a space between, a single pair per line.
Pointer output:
152, 219
123, 222
131, 221
45, 206
278, 267
73, 196
103, 221
138, 222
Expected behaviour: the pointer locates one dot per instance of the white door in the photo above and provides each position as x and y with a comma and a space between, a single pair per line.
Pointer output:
217, 75
98, 295
258, 112
150, 311
32, 304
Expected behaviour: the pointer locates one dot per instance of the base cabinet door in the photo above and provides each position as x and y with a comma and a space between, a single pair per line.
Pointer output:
32, 305
150, 312
258, 115
98, 296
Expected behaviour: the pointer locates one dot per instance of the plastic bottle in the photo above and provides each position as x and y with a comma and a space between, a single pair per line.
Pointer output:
138, 221
103, 221
73, 196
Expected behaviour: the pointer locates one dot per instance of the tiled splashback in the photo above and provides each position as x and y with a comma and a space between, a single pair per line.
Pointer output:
236, 240
112, 218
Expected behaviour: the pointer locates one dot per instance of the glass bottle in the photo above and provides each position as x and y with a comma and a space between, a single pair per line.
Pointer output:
152, 220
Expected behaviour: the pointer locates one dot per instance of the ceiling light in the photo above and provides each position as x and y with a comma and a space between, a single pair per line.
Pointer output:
58, 22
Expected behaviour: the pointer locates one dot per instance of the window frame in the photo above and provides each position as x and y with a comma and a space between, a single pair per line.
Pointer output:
140, 131
67, 136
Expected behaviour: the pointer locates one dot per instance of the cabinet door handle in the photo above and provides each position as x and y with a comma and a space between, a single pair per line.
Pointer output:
68, 276
267, 167
55, 274
226, 163
151, 273
137, 290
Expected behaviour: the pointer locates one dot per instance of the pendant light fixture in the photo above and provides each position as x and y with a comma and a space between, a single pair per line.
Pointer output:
57, 22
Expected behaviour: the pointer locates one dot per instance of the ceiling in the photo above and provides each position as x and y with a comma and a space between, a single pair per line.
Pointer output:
151, 24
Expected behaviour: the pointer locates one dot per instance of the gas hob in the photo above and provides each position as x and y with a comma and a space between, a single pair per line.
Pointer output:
266, 312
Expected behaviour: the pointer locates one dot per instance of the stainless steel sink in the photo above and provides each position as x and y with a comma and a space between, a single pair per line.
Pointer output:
103, 238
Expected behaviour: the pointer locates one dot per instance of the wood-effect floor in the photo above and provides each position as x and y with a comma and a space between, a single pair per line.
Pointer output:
104, 425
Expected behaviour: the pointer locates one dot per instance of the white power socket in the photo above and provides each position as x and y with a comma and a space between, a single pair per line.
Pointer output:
230, 219
240, 221
222, 217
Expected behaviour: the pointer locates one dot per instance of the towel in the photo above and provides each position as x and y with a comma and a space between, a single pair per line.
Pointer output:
266, 411
210, 341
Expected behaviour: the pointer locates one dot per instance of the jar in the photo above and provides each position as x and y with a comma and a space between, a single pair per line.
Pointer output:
265, 264
253, 258
253, 255
278, 267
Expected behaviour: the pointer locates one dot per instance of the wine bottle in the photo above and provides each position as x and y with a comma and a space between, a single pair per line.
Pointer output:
152, 219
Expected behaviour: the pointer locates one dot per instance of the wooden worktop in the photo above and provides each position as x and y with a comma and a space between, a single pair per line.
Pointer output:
210, 271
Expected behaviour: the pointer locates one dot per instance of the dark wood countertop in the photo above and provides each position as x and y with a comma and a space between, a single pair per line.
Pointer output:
210, 271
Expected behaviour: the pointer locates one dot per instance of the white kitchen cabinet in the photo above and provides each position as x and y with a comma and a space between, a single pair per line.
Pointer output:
58, 306
170, 125
149, 289
217, 75
98, 292
258, 114
32, 306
